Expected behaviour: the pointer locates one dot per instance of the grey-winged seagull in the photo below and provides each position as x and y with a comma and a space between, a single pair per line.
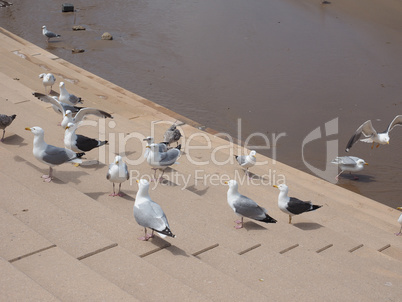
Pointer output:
51, 155
162, 160
372, 136
244, 206
150, 140
149, 214
66, 97
117, 173
5, 121
48, 34
349, 164
247, 161
48, 79
291, 205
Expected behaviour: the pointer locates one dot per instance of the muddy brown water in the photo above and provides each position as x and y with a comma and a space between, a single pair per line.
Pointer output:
284, 67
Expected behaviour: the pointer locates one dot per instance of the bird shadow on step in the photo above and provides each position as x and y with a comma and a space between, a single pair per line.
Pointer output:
15, 140
194, 190
92, 164
308, 226
177, 251
361, 178
252, 226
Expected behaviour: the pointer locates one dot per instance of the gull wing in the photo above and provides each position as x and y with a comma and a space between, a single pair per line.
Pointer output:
366, 129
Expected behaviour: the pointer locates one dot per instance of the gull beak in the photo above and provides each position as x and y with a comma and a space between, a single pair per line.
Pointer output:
67, 127
387, 143
275, 186
254, 156
148, 147
366, 164
27, 128
226, 182
137, 181
65, 114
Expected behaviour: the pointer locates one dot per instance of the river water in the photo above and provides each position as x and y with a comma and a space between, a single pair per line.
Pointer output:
285, 68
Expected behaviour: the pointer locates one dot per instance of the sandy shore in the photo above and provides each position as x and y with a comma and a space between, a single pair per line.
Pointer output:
69, 240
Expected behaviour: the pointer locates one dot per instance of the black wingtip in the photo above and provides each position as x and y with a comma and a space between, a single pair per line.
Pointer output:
79, 155
236, 156
13, 116
269, 219
315, 207
178, 147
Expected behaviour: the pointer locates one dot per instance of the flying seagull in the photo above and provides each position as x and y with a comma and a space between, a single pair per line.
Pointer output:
51, 155
81, 114
58, 107
117, 173
48, 79
291, 205
172, 135
371, 134
5, 121
349, 164
66, 97
48, 34
162, 160
247, 161
79, 143
149, 214
245, 207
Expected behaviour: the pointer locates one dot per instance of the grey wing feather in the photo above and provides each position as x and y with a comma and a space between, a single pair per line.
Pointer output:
87, 111
56, 156
366, 128
397, 121
346, 160
248, 208
169, 157
151, 215
241, 159
108, 175
297, 206
126, 171
48, 99
5, 121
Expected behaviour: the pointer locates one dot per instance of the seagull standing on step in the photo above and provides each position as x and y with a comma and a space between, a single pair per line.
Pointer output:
66, 97
371, 134
5, 121
117, 173
247, 161
79, 143
244, 206
162, 160
291, 205
172, 135
48, 79
349, 164
150, 140
51, 155
48, 34
149, 214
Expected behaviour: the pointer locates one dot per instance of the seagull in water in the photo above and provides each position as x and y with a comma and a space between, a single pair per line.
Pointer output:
66, 97
400, 222
172, 135
149, 214
162, 160
247, 161
117, 173
51, 155
79, 143
291, 205
81, 114
5, 121
349, 164
48, 34
244, 206
371, 134
48, 79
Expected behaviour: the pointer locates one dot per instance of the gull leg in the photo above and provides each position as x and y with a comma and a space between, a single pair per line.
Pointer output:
372, 146
146, 236
161, 177
239, 223
377, 145
48, 178
113, 194
121, 194
354, 176
337, 177
290, 219
400, 232
4, 132
154, 174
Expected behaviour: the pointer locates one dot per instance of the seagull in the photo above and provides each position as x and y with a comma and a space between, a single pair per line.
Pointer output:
48, 79
244, 206
150, 140
58, 107
66, 97
79, 116
371, 134
350, 164
117, 173
5, 121
149, 214
48, 34
162, 160
291, 205
172, 135
400, 222
247, 161
51, 155
79, 143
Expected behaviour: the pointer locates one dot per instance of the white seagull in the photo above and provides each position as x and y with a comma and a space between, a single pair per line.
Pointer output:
81, 114
349, 164
51, 155
66, 97
291, 205
247, 161
150, 140
79, 143
244, 206
117, 173
400, 222
48, 79
371, 134
162, 160
149, 214
48, 34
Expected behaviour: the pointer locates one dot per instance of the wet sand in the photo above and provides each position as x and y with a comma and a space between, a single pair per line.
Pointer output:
283, 67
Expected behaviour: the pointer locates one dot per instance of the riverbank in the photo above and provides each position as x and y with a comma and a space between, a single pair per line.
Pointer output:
69, 240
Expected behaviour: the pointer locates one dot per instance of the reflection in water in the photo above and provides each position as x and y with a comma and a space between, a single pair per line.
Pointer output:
283, 67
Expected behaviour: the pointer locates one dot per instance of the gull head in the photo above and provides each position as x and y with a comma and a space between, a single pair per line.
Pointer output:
143, 184
36, 130
232, 184
253, 153
399, 208
43, 27
282, 187
149, 139
70, 126
68, 113
117, 159
61, 84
